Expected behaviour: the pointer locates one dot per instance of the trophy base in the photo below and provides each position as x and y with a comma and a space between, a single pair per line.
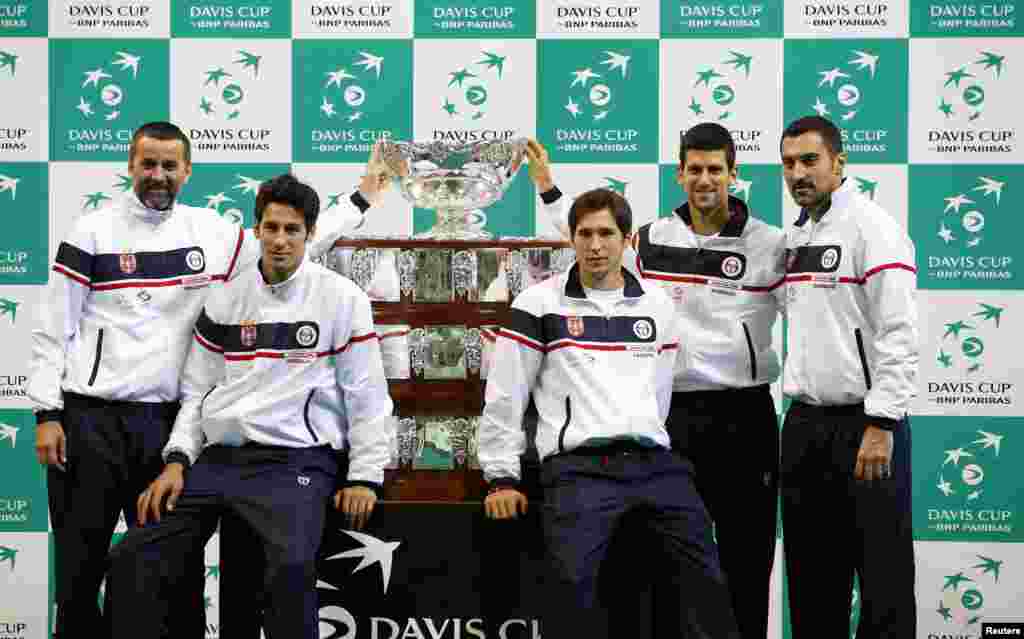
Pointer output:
457, 224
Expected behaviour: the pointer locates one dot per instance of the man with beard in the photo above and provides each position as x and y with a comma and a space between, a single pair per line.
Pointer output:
127, 286
720, 265
851, 372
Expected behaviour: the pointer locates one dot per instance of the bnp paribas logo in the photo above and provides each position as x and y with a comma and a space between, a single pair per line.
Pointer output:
962, 598
963, 221
713, 94
9, 308
104, 89
97, 199
468, 94
8, 555
226, 203
348, 87
963, 94
224, 86
967, 470
842, 88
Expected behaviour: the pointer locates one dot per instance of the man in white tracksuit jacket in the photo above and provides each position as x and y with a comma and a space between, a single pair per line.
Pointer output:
127, 286
722, 267
597, 348
851, 372
283, 375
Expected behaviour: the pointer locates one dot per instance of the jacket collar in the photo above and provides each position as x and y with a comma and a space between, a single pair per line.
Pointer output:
137, 209
738, 216
281, 287
573, 286
840, 198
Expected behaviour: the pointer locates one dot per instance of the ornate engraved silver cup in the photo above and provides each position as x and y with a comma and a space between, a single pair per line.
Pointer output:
457, 180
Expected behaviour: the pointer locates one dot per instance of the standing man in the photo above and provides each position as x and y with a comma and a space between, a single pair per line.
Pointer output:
127, 286
596, 346
852, 374
284, 373
720, 265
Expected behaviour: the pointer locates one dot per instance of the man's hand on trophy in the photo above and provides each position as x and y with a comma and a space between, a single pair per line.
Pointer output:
377, 179
539, 166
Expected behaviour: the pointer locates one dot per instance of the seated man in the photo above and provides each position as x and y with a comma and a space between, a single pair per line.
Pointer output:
597, 348
284, 372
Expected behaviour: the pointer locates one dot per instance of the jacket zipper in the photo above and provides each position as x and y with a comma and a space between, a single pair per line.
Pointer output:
753, 355
96, 362
305, 417
565, 426
202, 402
863, 357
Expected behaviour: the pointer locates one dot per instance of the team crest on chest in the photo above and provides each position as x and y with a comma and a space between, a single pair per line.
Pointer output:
195, 260
732, 266
643, 329
248, 332
128, 263
574, 325
829, 257
306, 335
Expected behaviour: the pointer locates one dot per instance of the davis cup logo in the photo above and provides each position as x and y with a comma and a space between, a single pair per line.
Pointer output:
223, 91
732, 266
593, 95
306, 335
962, 598
967, 337
962, 221
469, 87
643, 329
344, 94
335, 621
102, 94
962, 476
714, 93
963, 94
195, 260
841, 87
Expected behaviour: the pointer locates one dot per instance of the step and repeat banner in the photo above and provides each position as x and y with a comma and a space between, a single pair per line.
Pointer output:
924, 90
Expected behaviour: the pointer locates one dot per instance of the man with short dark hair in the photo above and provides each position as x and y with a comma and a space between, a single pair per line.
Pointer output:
127, 285
284, 373
721, 266
597, 347
851, 372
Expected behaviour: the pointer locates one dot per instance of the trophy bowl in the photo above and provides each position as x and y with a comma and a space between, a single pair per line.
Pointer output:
457, 180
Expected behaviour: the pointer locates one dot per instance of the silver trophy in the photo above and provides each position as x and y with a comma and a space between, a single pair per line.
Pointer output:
457, 180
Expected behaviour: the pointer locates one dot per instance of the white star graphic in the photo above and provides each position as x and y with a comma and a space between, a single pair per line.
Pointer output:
214, 201
944, 233
8, 183
248, 184
865, 60
84, 107
616, 61
990, 186
849, 115
327, 108
974, 495
93, 77
9, 432
355, 116
955, 202
371, 62
600, 116
820, 108
742, 187
572, 108
128, 61
582, 76
111, 116
955, 455
972, 243
374, 551
990, 440
335, 77
945, 487
831, 76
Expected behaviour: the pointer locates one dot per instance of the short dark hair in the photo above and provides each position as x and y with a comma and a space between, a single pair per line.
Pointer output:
599, 199
829, 133
161, 131
707, 136
285, 189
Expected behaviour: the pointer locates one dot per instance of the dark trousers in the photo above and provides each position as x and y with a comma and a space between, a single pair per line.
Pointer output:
732, 439
113, 451
867, 523
281, 496
587, 494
